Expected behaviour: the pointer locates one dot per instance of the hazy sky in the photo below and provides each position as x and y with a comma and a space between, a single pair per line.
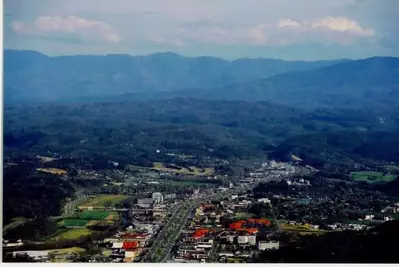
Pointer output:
288, 29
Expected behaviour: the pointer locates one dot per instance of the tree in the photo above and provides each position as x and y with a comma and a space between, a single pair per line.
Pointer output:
107, 203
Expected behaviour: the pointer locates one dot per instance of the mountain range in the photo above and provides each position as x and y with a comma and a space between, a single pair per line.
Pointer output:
367, 83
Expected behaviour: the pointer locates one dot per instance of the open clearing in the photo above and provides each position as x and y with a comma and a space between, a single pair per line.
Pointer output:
52, 171
101, 201
372, 177
298, 228
192, 170
72, 234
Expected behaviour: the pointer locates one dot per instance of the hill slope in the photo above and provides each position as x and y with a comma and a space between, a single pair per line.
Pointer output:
372, 82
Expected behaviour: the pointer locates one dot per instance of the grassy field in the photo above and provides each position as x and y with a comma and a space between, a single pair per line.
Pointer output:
192, 170
73, 222
100, 201
72, 234
372, 177
298, 228
92, 215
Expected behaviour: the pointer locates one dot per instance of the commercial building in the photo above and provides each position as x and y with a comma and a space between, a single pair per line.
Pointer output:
157, 198
267, 245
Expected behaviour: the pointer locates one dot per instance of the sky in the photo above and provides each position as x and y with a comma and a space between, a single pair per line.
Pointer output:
285, 29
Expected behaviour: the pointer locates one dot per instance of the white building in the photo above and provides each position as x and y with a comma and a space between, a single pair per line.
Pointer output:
265, 245
242, 239
387, 218
252, 240
34, 254
264, 200
208, 244
170, 196
157, 198
369, 217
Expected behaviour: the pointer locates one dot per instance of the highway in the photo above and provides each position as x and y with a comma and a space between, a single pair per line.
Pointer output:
162, 246
160, 251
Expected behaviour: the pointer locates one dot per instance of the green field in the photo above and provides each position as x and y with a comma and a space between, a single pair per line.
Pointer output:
73, 222
102, 201
372, 177
395, 216
92, 215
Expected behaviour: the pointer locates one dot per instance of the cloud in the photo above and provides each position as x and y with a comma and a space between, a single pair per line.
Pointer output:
288, 23
257, 35
70, 26
342, 24
327, 24
329, 30
341, 30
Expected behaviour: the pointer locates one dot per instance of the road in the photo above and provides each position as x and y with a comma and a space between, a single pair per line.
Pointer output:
70, 207
162, 246
14, 225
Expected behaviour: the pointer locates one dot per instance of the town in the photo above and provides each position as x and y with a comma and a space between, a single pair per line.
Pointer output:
228, 221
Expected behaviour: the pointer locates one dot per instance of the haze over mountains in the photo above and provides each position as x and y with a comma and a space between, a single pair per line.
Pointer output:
367, 83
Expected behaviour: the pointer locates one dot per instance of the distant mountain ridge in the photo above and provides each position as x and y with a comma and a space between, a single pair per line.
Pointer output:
354, 84
30, 75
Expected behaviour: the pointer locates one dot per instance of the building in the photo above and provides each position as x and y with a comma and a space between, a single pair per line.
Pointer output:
145, 201
36, 255
242, 239
170, 196
388, 218
141, 239
264, 200
266, 245
207, 244
369, 217
252, 240
157, 198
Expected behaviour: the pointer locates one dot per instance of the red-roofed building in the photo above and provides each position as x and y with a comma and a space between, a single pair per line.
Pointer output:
248, 230
141, 239
130, 245
235, 226
198, 235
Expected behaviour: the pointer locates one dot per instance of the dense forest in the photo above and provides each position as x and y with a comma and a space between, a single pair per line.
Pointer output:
32, 195
132, 131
